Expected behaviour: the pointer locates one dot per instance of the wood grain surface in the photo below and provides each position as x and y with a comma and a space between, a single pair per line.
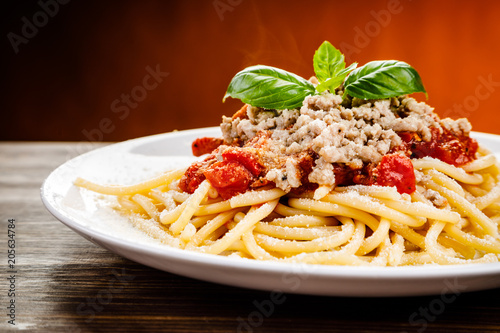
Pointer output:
65, 283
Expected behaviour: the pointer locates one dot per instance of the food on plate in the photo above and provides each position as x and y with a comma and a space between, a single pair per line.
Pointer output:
342, 169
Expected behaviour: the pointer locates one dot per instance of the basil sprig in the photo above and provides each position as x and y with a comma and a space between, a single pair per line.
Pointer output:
383, 79
273, 88
329, 67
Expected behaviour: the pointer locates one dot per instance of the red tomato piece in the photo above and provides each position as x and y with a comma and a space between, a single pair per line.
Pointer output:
228, 178
205, 145
447, 147
456, 150
395, 170
244, 157
192, 178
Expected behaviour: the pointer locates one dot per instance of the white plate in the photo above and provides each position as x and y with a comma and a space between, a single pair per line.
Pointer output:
139, 159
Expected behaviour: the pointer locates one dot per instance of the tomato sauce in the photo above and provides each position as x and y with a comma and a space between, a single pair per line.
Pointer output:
245, 158
241, 169
238, 170
194, 176
229, 178
445, 146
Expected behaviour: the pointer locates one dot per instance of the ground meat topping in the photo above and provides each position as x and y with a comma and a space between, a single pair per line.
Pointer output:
345, 138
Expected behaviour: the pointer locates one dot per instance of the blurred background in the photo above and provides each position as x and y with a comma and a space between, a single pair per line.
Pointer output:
115, 70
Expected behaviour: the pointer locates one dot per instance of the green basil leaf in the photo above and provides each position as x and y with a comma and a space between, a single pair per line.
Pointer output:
332, 82
327, 62
383, 79
269, 88
336, 81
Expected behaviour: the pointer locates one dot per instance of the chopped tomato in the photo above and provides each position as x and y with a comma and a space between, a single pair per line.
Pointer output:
205, 145
445, 146
395, 170
245, 157
233, 175
192, 178
228, 177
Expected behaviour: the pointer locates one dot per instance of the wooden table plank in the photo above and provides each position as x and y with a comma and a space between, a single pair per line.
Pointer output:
65, 283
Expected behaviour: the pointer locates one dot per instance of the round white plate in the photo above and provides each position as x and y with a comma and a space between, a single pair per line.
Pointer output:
132, 161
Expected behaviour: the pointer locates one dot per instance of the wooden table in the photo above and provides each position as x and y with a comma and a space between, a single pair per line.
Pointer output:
65, 283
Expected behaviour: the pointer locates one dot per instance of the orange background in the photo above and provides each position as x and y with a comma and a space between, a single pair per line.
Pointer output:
62, 83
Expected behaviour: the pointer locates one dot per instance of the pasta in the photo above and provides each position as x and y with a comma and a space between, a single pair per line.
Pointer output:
361, 225
335, 180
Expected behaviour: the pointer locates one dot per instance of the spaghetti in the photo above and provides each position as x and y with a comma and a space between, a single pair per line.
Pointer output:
336, 181
350, 225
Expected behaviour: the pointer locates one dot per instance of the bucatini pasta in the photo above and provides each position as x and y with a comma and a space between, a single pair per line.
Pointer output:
337, 179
